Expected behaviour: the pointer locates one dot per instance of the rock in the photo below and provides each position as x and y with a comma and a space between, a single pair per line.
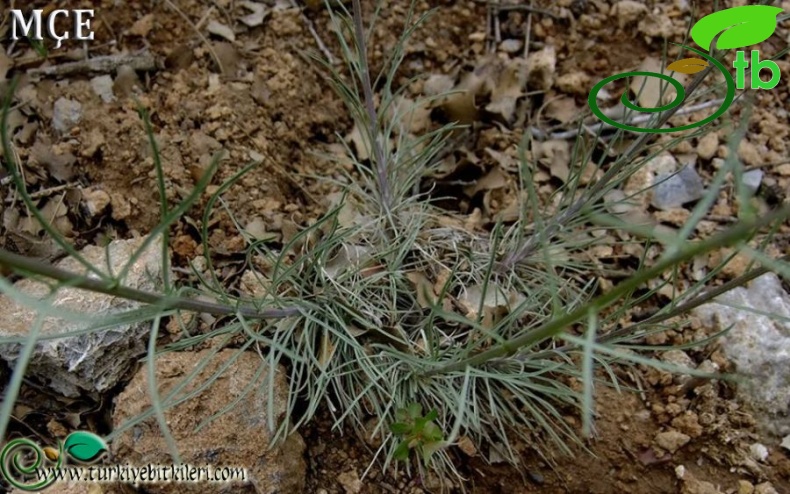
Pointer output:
745, 487
708, 145
466, 445
638, 186
752, 180
671, 440
511, 46
758, 345
540, 67
574, 82
96, 200
749, 154
66, 114
125, 81
656, 26
676, 190
89, 363
628, 11
758, 451
680, 360
102, 86
692, 485
350, 482
765, 488
233, 414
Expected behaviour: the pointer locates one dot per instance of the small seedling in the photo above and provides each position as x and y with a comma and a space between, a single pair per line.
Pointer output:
418, 433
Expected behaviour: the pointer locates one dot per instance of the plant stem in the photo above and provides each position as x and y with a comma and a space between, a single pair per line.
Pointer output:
559, 324
382, 168
683, 308
34, 266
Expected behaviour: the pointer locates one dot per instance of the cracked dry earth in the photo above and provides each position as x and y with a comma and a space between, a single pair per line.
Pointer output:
243, 89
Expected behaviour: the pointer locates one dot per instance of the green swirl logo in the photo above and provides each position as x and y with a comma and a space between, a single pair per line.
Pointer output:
22, 461
731, 28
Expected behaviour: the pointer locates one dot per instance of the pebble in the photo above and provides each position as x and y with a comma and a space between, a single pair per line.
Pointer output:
66, 114
708, 145
511, 46
675, 190
758, 451
745, 487
102, 86
671, 440
537, 477
752, 180
765, 488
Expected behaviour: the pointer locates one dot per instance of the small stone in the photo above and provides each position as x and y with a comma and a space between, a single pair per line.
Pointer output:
657, 26
749, 154
638, 186
199, 264
752, 180
786, 442
96, 200
574, 82
708, 145
350, 482
671, 440
688, 423
467, 446
66, 114
675, 190
765, 488
125, 80
758, 451
536, 477
745, 487
511, 46
628, 11
102, 86
540, 67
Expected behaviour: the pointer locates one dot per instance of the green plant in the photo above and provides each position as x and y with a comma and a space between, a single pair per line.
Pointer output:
387, 305
417, 432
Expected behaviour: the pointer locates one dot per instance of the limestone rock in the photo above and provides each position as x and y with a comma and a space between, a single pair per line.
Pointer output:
89, 363
758, 345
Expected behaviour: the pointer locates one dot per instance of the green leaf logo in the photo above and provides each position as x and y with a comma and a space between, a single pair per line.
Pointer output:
84, 446
739, 26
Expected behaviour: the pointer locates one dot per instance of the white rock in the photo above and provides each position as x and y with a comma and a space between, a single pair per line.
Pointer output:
676, 190
752, 180
94, 362
759, 345
102, 86
511, 45
66, 114
758, 451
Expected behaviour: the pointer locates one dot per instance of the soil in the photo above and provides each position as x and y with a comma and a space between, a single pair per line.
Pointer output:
270, 105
